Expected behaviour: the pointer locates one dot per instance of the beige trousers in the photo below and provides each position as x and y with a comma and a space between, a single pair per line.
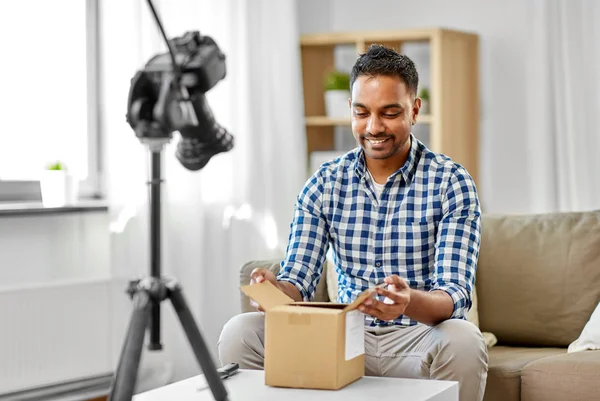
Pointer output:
452, 350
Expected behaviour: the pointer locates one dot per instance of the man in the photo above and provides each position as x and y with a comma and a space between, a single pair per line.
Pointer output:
393, 212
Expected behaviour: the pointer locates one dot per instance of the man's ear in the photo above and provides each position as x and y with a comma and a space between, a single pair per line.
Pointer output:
415, 110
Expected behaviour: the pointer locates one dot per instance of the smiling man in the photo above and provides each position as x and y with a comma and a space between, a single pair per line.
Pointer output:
393, 212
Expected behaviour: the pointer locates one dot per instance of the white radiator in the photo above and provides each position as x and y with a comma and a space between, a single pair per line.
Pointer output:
55, 333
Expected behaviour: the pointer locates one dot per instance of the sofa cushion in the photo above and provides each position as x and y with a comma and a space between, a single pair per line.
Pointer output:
573, 376
273, 265
538, 277
504, 370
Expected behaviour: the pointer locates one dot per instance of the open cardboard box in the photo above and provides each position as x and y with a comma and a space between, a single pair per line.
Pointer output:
318, 345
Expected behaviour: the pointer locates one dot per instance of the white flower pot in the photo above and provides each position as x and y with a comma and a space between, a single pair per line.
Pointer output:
336, 103
58, 188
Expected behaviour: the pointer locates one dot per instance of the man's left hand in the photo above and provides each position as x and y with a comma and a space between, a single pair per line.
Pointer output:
397, 291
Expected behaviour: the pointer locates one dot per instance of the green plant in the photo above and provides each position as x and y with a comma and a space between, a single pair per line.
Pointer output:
424, 94
337, 80
56, 166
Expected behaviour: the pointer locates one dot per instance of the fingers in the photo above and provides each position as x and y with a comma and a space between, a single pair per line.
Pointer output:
398, 297
375, 305
369, 310
257, 276
380, 310
397, 281
256, 306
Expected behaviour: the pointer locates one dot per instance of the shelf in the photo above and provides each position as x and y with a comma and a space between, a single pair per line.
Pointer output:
337, 38
323, 121
402, 35
37, 208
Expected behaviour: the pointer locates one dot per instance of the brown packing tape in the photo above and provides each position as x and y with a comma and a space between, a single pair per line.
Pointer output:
299, 319
266, 295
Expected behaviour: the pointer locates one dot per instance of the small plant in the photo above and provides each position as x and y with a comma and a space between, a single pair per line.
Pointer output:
424, 94
337, 80
56, 166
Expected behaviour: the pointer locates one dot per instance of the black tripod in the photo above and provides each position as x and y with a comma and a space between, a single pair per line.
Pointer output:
147, 295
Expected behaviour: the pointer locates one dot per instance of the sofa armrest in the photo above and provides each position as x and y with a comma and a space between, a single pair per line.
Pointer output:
246, 270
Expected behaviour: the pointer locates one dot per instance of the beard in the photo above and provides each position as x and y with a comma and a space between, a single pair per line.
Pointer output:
380, 146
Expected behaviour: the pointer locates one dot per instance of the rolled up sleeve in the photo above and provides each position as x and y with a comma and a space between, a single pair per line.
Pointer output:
458, 241
308, 241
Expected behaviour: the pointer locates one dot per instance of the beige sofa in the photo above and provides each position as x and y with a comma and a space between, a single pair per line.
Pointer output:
538, 282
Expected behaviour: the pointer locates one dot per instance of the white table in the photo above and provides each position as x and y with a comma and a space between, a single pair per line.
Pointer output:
248, 385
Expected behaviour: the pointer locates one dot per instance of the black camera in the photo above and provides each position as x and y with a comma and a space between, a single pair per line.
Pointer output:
165, 98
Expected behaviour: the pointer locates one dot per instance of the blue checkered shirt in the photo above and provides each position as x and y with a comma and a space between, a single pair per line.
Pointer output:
425, 228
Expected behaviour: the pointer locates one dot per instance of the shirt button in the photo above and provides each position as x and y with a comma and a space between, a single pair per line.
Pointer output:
377, 264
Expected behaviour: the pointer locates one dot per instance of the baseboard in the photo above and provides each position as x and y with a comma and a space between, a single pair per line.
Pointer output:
90, 389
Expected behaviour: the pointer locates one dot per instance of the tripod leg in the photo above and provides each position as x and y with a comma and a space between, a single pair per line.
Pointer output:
198, 345
123, 384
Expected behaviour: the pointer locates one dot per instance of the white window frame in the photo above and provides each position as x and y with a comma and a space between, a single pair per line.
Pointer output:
92, 187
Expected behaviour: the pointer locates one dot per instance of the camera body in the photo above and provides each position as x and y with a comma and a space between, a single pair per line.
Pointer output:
164, 99
199, 58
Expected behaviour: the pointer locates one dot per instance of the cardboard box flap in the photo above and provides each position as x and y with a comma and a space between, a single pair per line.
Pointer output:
369, 292
266, 295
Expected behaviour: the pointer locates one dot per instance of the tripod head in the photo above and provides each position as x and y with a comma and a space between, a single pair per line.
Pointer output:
168, 95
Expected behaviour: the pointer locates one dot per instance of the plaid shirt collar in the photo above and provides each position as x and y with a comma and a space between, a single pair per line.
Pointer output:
407, 170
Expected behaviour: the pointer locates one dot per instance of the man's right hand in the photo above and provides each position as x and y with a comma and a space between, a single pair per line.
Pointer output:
258, 276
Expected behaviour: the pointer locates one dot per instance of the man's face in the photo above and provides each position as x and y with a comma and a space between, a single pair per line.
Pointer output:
383, 112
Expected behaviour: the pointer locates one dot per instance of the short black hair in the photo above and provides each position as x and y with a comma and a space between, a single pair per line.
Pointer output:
381, 60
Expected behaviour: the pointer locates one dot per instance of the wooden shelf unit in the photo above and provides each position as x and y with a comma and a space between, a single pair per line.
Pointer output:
454, 87
323, 121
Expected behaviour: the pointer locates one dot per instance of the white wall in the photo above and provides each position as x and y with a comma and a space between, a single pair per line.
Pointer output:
503, 27
53, 248
55, 299
63, 306
314, 15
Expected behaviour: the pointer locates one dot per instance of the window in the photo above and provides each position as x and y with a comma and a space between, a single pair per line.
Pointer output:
49, 96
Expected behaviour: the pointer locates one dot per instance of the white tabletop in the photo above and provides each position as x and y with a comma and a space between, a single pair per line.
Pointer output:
248, 385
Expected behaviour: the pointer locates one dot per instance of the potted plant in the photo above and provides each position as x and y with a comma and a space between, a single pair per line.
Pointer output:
425, 105
337, 93
58, 186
